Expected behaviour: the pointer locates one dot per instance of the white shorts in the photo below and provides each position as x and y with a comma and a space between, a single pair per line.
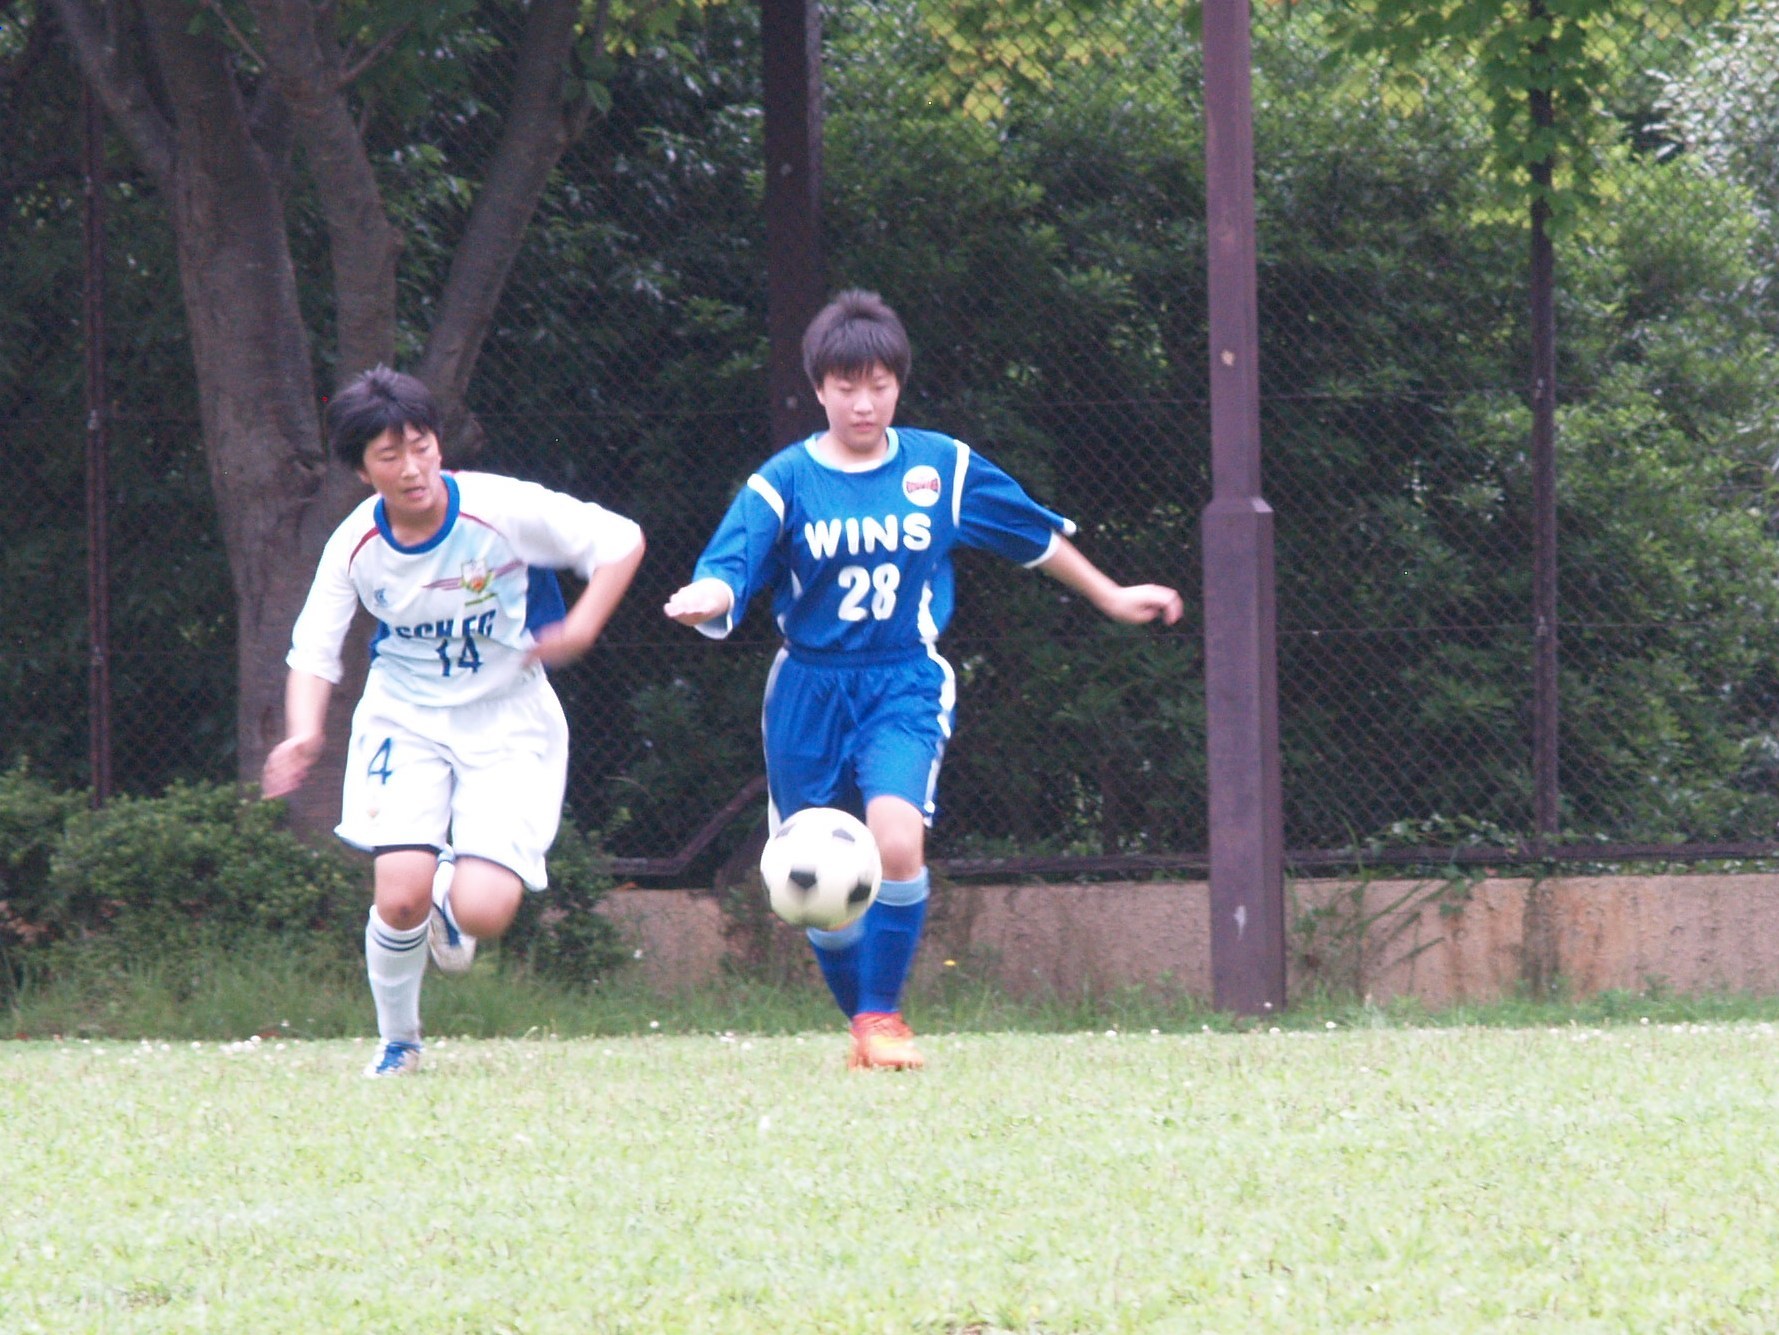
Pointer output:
487, 778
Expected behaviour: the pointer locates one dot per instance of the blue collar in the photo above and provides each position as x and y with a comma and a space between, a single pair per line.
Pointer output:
453, 504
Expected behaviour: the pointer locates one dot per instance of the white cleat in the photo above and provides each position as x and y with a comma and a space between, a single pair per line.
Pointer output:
453, 951
397, 1058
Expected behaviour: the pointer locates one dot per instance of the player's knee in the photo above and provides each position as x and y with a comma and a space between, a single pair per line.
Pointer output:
903, 855
484, 919
403, 907
485, 897
403, 878
901, 834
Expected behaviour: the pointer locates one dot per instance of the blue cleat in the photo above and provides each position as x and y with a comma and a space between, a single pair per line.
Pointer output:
398, 1058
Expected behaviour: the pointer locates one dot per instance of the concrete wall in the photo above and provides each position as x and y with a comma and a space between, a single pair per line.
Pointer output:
1438, 942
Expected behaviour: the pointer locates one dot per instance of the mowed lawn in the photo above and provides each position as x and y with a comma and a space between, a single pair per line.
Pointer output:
1623, 1178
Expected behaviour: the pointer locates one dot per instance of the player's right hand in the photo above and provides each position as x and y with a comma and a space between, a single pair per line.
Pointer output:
1138, 604
287, 765
699, 601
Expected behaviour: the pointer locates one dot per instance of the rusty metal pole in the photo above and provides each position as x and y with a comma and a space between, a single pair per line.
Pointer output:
791, 50
98, 488
1241, 647
1546, 812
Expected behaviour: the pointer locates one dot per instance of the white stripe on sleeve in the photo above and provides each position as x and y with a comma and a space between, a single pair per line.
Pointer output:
768, 493
957, 482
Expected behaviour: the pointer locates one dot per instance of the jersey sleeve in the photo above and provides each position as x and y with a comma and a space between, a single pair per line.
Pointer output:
557, 531
993, 512
327, 612
745, 552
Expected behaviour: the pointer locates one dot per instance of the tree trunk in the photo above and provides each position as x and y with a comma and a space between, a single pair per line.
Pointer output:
305, 63
173, 92
539, 126
277, 497
275, 494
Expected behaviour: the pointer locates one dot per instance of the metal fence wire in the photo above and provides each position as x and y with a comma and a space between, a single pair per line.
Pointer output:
1025, 183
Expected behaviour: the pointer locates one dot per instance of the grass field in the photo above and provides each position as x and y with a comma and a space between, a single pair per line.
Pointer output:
1361, 1174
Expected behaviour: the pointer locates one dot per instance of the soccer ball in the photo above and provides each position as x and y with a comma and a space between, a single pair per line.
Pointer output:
821, 869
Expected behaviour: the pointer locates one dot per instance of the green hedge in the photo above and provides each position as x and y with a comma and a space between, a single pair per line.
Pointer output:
199, 866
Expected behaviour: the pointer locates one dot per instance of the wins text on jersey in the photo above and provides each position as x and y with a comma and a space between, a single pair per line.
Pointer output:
862, 537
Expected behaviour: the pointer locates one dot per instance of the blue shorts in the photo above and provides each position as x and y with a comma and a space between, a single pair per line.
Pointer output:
840, 731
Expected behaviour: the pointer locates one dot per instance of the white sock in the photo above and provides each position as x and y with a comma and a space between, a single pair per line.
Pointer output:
441, 890
395, 961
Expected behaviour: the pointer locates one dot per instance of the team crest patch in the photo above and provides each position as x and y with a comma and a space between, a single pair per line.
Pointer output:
920, 484
475, 576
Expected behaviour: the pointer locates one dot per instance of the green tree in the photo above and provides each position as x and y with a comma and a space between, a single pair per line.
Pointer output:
238, 111
1544, 68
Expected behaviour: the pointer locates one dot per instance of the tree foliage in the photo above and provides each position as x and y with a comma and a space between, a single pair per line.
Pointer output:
1045, 245
1569, 51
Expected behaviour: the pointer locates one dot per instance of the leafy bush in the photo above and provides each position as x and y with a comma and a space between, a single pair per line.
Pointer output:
199, 861
32, 816
557, 934
199, 868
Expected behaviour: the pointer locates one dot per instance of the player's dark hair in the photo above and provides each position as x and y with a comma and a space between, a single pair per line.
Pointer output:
373, 402
851, 334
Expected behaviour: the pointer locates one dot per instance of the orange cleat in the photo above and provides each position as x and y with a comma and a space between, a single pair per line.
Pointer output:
882, 1040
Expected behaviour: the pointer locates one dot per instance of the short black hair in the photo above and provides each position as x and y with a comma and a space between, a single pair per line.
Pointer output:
373, 402
851, 334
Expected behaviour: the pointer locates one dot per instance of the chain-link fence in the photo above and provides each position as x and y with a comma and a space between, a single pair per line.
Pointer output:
1025, 183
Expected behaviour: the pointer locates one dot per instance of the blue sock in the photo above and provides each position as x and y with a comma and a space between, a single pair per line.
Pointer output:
838, 955
892, 935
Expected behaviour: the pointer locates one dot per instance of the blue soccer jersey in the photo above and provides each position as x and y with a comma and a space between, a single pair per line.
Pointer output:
858, 561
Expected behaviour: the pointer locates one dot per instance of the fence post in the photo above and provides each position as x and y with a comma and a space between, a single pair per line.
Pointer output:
1542, 300
1241, 647
791, 68
98, 559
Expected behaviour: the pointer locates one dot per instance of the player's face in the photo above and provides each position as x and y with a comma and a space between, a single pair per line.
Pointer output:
403, 465
860, 408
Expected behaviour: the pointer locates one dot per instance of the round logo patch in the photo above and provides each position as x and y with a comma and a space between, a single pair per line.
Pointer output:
920, 484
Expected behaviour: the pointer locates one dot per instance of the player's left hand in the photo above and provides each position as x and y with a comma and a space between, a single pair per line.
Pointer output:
1136, 604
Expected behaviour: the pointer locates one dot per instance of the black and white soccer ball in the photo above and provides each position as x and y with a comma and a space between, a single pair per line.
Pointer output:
821, 869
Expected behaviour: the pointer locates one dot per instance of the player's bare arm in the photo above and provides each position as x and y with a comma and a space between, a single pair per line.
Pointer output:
305, 717
1133, 604
571, 637
700, 601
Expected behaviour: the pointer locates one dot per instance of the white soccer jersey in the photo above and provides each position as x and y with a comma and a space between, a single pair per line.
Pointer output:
455, 613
